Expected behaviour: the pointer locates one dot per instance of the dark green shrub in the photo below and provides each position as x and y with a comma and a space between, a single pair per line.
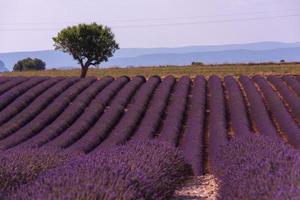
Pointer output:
29, 64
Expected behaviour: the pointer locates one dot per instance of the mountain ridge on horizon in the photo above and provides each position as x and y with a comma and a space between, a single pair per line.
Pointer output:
210, 54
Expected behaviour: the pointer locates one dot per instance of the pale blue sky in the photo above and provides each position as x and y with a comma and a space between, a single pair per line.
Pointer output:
27, 25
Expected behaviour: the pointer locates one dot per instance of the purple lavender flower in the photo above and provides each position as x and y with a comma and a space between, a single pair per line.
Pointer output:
20, 166
258, 167
139, 170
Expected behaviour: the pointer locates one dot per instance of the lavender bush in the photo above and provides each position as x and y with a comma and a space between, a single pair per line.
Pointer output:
50, 113
151, 120
68, 115
237, 108
193, 141
99, 131
258, 167
257, 109
217, 119
20, 166
37, 106
279, 112
11, 83
288, 95
139, 170
83, 122
18, 90
26, 98
293, 83
123, 130
175, 114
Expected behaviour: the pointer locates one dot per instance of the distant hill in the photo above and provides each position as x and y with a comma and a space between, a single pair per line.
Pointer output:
133, 52
2, 67
235, 53
213, 57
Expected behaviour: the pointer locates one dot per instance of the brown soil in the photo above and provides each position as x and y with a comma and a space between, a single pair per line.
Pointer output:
198, 187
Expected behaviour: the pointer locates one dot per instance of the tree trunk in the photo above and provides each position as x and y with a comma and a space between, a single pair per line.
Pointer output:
84, 70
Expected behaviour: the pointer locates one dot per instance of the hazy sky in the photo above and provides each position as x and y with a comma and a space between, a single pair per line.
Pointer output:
30, 24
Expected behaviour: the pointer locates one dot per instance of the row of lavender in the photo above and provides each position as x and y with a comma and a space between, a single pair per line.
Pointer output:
137, 170
88, 115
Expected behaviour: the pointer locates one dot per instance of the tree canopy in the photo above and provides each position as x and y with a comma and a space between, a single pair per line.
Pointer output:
29, 64
89, 44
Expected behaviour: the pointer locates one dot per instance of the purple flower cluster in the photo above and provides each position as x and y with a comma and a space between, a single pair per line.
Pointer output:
289, 96
153, 115
193, 141
20, 166
238, 112
281, 115
50, 113
258, 113
217, 121
83, 122
293, 83
18, 90
258, 167
123, 130
99, 131
37, 106
139, 170
11, 83
25, 99
175, 113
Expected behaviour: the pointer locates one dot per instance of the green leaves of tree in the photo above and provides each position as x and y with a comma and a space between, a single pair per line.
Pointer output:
89, 44
29, 64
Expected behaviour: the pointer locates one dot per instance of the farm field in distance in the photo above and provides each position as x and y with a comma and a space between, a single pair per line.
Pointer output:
198, 113
176, 71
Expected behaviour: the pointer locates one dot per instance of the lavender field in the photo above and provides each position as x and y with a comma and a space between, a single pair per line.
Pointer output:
138, 138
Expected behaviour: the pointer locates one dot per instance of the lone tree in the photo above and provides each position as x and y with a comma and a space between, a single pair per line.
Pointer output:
29, 64
89, 44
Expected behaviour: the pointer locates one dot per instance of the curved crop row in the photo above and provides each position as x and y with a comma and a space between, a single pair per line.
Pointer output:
35, 108
9, 96
4, 79
74, 109
238, 112
257, 109
293, 83
25, 99
175, 113
290, 97
193, 144
217, 121
91, 113
123, 130
281, 115
99, 131
123, 98
148, 170
153, 114
47, 115
11, 83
